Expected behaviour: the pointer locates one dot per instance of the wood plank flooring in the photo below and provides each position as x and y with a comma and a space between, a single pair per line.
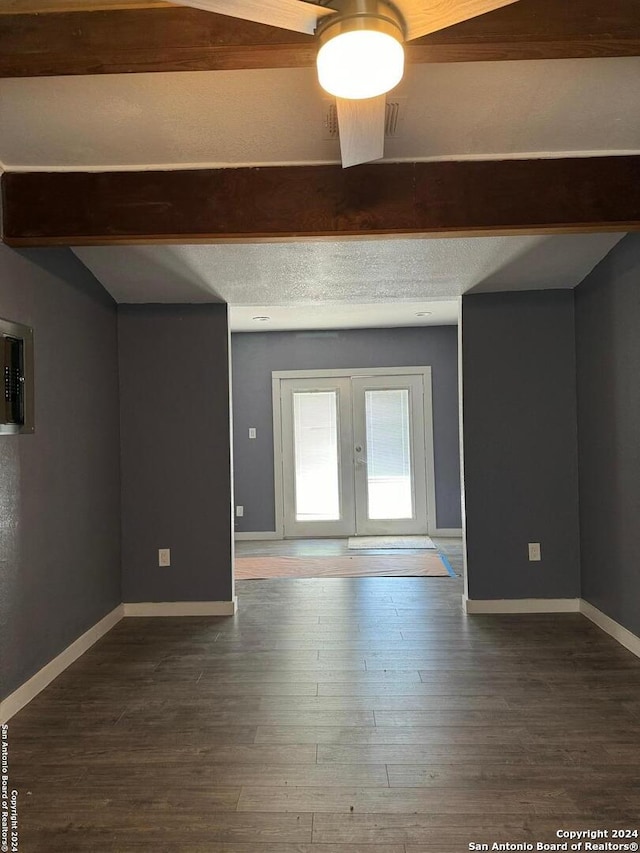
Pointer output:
351, 715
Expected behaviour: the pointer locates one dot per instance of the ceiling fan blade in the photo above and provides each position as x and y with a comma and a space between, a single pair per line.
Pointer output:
42, 7
296, 15
361, 125
422, 17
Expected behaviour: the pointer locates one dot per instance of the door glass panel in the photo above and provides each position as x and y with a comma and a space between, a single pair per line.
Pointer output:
315, 424
388, 433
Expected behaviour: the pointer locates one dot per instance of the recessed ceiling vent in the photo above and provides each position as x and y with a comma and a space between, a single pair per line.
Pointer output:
396, 108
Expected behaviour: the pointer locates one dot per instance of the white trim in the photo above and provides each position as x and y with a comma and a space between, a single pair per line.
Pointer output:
522, 605
625, 637
463, 506
181, 608
278, 477
350, 372
269, 535
429, 451
37, 683
420, 435
232, 502
256, 535
340, 387
259, 164
425, 372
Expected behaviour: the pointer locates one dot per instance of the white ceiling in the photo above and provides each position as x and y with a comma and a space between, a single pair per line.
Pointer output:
454, 110
327, 284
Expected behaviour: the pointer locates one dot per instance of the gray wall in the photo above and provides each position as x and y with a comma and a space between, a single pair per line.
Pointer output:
60, 487
176, 482
256, 355
608, 362
520, 440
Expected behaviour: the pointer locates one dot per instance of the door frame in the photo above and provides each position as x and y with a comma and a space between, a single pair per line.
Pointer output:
341, 387
418, 523
278, 476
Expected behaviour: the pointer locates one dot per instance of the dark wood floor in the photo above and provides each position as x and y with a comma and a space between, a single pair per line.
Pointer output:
332, 716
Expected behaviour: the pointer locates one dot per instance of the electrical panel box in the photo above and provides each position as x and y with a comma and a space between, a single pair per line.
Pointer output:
16, 370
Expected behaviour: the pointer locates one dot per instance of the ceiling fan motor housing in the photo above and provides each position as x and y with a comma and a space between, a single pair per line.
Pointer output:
354, 15
361, 51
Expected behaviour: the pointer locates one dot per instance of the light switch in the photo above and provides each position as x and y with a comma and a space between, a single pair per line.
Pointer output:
252, 432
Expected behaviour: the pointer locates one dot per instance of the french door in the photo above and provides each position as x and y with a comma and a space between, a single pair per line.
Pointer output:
353, 455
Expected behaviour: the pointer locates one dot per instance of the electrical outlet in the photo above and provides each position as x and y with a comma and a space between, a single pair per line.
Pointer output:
534, 552
164, 556
239, 511
252, 432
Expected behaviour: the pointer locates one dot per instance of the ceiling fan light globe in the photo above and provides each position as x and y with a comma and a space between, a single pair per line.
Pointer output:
360, 64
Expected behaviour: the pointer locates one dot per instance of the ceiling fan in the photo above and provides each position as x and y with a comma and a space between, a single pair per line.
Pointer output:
360, 55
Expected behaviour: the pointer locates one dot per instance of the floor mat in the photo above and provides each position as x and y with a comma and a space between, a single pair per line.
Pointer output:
373, 565
371, 543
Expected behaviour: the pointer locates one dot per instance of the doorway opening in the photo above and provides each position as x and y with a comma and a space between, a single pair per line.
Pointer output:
354, 476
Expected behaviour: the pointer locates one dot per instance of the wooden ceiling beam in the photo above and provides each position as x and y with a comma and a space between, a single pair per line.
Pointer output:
440, 198
49, 7
171, 38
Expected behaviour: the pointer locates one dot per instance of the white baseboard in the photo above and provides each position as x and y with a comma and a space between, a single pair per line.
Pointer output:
181, 608
256, 535
625, 637
264, 535
522, 605
36, 684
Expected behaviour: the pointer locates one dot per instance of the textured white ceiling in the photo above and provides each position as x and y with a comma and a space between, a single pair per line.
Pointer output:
484, 109
307, 274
